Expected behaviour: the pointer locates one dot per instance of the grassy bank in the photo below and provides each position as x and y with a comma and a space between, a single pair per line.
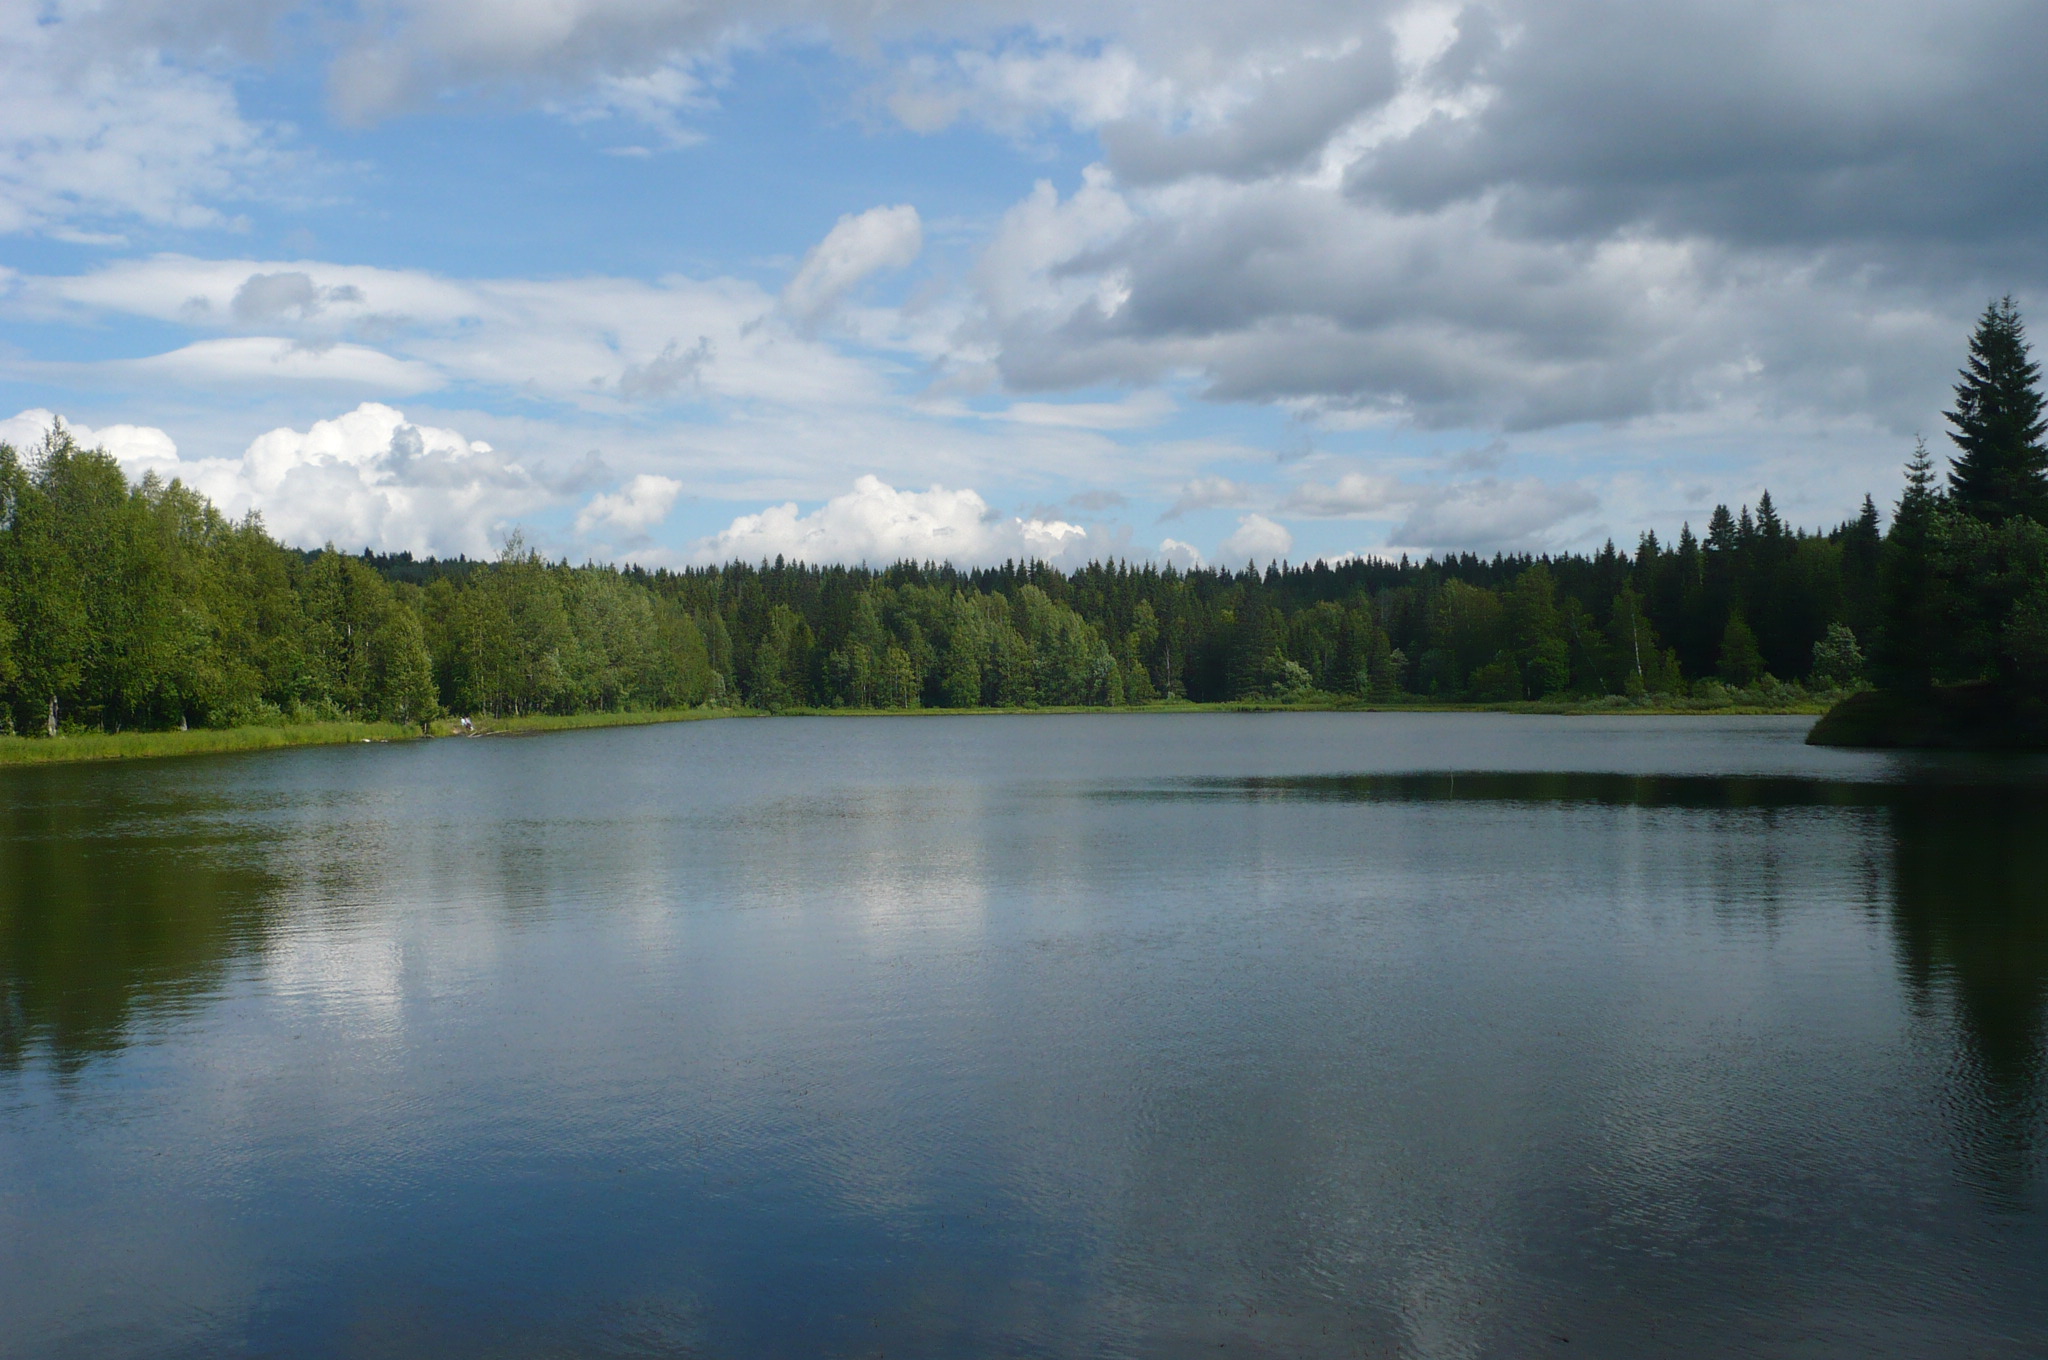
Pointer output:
199, 741
571, 722
70, 748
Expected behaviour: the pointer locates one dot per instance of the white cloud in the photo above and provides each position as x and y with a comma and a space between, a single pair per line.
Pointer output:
603, 344
858, 246
368, 478
1175, 553
1133, 412
879, 524
98, 126
1256, 539
138, 448
1354, 494
632, 510
263, 360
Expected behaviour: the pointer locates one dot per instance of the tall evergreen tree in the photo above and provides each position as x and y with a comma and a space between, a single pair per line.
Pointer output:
2002, 469
1910, 639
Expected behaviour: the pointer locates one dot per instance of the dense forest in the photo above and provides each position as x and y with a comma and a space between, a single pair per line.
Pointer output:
139, 606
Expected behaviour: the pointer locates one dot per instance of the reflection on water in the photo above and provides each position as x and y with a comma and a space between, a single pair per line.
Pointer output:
1332, 1034
1966, 898
1970, 922
111, 911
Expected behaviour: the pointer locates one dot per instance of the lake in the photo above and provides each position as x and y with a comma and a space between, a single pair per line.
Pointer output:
1430, 1035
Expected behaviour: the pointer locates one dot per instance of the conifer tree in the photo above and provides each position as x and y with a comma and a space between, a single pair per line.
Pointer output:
2002, 469
1910, 640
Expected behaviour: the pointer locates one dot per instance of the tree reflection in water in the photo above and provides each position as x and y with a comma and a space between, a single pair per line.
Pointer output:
114, 910
1970, 923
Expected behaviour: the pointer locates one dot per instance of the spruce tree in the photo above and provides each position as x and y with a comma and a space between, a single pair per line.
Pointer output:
1910, 645
2002, 469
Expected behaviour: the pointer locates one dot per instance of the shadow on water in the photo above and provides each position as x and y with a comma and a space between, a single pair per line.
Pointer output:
110, 911
1970, 924
1967, 904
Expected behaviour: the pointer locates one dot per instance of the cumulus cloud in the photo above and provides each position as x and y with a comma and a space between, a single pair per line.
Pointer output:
1175, 553
1256, 539
879, 524
633, 509
858, 246
369, 478
138, 448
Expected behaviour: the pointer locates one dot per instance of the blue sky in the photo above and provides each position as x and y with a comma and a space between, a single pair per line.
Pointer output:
673, 282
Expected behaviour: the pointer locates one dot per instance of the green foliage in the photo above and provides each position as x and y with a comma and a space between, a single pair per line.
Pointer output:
1741, 663
1837, 659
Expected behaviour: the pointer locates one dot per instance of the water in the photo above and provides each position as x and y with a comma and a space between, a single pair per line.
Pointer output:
1383, 1035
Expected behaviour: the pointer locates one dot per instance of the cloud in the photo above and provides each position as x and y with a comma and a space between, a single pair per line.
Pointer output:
604, 344
1354, 494
101, 127
265, 360
857, 246
1175, 553
1133, 412
276, 297
876, 523
1256, 539
138, 448
1492, 515
667, 373
1209, 493
1282, 119
369, 478
632, 510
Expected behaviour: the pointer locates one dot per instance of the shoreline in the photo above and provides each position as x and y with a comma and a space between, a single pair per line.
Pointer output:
95, 747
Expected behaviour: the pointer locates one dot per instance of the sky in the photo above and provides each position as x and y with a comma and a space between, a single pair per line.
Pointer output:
856, 280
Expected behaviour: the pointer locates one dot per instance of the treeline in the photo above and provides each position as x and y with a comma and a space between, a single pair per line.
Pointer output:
141, 607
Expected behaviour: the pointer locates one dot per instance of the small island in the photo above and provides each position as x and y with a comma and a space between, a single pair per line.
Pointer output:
1960, 659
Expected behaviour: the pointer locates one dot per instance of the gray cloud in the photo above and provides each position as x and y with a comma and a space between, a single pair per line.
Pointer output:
270, 297
667, 373
1749, 121
1492, 516
1291, 113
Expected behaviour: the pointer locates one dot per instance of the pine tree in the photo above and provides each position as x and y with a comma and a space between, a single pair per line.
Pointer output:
2002, 470
1909, 643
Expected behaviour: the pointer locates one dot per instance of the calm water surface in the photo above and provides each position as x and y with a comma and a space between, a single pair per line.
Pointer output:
1338, 1034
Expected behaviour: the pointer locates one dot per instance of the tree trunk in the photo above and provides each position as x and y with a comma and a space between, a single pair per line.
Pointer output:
52, 726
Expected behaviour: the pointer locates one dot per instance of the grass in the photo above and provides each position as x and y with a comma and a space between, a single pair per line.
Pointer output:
200, 741
89, 746
570, 722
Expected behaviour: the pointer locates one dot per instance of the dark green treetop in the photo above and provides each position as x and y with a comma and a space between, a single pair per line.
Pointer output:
2002, 469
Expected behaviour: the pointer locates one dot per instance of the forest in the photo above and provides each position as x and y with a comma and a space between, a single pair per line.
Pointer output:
139, 606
